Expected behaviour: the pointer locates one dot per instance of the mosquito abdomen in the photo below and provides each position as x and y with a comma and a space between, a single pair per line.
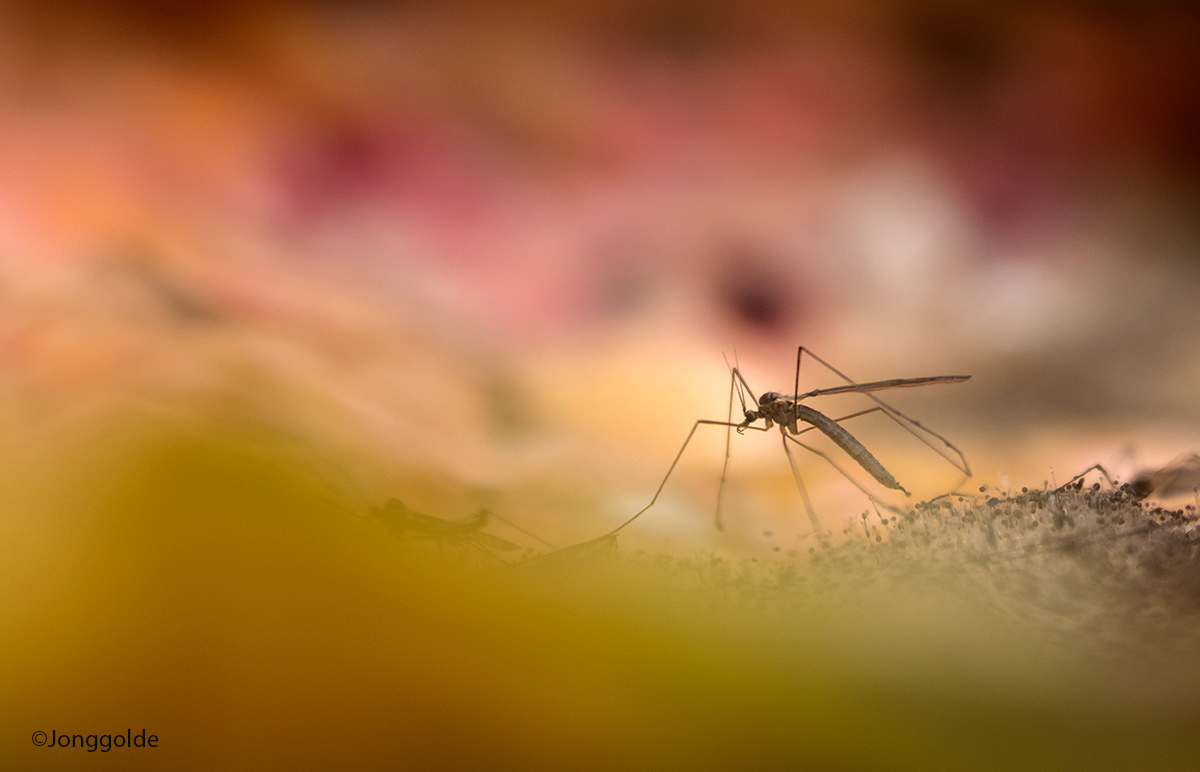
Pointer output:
834, 431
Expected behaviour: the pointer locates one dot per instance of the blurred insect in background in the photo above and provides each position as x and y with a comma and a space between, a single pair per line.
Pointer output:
786, 412
407, 524
1177, 478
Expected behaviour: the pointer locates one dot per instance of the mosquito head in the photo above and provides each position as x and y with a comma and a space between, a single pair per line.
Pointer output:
751, 417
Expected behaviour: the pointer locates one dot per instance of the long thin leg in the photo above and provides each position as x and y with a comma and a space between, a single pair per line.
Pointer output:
738, 374
847, 418
796, 389
674, 463
848, 443
896, 416
808, 507
522, 530
1081, 475
876, 410
841, 471
743, 389
592, 548
844, 418
728, 436
953, 488
960, 463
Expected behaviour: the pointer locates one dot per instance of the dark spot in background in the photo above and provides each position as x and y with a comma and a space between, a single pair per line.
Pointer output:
758, 307
959, 49
688, 30
189, 26
755, 291
338, 162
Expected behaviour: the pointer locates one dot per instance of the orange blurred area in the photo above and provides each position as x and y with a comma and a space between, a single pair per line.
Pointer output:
482, 257
473, 238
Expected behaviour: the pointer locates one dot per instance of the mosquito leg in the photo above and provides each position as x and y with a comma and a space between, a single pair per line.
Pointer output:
808, 507
590, 549
848, 443
845, 418
959, 461
954, 491
963, 494
679, 455
486, 551
741, 395
1081, 475
953, 488
900, 419
522, 530
737, 374
796, 389
843, 473
728, 436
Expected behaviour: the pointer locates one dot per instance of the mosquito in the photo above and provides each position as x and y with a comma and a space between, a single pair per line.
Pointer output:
786, 412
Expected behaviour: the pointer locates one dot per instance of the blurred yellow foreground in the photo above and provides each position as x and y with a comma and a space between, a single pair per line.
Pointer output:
210, 587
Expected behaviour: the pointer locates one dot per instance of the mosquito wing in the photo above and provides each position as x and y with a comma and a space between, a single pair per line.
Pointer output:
919, 430
894, 383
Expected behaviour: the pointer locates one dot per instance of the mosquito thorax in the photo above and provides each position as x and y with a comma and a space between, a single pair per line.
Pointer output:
769, 397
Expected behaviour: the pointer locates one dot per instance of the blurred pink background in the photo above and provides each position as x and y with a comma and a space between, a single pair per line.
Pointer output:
505, 248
